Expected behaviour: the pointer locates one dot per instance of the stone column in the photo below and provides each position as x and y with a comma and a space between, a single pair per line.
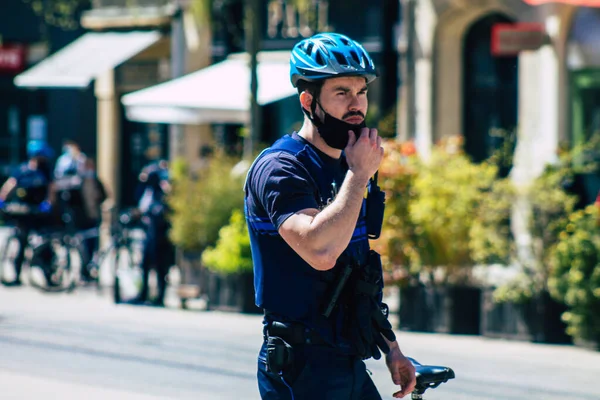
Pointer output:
109, 135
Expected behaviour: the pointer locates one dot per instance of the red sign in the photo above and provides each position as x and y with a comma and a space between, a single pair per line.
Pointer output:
583, 3
12, 58
510, 39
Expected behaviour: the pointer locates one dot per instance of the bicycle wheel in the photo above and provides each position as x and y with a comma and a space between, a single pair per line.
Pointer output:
127, 274
53, 258
8, 256
87, 264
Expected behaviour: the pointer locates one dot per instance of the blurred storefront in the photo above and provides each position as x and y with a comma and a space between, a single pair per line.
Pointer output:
23, 114
115, 54
218, 96
103, 58
461, 87
583, 62
496, 66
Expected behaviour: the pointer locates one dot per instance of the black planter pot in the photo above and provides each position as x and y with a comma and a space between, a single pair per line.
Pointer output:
452, 309
193, 276
537, 320
587, 344
233, 292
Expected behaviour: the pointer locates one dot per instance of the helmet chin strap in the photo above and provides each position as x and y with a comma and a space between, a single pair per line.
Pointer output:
313, 115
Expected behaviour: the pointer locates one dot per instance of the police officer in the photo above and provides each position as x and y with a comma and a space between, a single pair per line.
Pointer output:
158, 251
30, 184
309, 224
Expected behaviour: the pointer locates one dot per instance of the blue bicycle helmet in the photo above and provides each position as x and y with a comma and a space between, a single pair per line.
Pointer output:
39, 148
329, 55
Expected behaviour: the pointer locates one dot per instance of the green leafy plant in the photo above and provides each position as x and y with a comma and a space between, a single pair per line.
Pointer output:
449, 189
232, 252
430, 210
397, 242
575, 273
585, 157
491, 237
547, 207
202, 204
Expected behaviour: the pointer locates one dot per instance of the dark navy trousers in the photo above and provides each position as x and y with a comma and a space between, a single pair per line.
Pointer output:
318, 373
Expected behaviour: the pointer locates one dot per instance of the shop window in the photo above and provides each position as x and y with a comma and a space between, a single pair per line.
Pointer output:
490, 91
583, 60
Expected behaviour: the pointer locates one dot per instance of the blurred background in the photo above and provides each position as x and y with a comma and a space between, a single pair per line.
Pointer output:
490, 111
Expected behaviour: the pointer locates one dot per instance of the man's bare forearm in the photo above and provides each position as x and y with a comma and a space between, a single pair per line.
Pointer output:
333, 227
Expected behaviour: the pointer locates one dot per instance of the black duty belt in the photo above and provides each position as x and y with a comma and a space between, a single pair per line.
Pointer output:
294, 333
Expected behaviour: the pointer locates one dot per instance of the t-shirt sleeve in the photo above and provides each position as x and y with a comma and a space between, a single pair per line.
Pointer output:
17, 173
283, 187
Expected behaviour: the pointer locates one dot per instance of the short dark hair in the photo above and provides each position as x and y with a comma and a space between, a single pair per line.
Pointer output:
70, 142
313, 87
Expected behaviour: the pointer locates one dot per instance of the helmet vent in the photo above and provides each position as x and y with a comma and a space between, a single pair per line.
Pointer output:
309, 48
366, 60
340, 58
355, 57
319, 58
345, 41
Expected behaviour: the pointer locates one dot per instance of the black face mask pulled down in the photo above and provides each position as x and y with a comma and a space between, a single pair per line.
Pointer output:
335, 131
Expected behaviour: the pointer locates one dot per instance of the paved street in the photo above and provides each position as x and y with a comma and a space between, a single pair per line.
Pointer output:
81, 346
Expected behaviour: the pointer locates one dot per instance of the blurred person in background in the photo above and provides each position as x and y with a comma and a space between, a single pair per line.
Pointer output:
71, 161
79, 194
31, 184
93, 195
153, 187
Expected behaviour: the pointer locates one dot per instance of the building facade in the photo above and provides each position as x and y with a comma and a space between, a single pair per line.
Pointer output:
27, 113
548, 94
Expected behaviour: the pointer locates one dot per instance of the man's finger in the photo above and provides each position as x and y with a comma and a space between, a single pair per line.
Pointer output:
373, 135
411, 384
396, 377
351, 139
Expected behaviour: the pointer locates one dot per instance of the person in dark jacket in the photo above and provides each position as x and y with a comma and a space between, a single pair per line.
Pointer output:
31, 185
153, 187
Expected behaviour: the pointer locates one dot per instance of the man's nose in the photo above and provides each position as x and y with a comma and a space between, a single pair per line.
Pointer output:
354, 104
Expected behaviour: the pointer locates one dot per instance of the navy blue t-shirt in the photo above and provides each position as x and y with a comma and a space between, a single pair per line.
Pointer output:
283, 189
280, 185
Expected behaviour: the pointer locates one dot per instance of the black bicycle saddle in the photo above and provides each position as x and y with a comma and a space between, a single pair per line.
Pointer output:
430, 376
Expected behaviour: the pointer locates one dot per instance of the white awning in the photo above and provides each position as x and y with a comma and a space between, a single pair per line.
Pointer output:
219, 93
80, 62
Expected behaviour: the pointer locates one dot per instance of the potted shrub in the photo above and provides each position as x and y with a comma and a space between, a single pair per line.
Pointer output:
397, 242
521, 308
575, 275
231, 260
201, 204
439, 293
584, 180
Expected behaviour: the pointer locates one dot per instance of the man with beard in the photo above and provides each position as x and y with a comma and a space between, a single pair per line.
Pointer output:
309, 223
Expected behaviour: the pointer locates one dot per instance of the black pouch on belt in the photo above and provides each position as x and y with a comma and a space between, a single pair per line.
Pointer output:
375, 209
279, 354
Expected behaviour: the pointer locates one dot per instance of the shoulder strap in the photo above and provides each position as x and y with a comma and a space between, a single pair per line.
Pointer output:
286, 144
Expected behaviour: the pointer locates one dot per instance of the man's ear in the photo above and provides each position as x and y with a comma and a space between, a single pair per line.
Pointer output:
306, 99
